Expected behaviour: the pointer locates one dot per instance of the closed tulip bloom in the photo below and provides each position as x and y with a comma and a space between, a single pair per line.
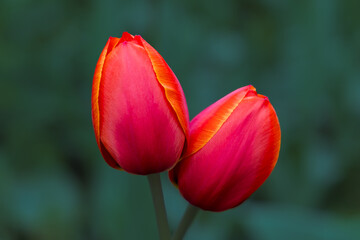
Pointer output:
233, 147
139, 111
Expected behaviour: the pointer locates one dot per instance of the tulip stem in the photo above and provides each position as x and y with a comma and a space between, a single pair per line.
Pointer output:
186, 221
159, 205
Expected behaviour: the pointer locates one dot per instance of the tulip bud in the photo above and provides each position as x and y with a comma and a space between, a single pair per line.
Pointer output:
139, 111
233, 147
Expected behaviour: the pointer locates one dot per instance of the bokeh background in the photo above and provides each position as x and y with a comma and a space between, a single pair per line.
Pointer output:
303, 55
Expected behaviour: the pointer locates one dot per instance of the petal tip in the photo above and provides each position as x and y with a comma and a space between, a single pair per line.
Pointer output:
127, 36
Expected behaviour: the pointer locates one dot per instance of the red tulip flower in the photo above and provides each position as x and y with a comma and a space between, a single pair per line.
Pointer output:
233, 147
139, 111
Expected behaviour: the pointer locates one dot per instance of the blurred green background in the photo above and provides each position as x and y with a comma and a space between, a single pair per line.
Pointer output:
303, 55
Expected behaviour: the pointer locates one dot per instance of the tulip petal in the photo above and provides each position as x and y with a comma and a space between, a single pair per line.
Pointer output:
171, 85
205, 125
236, 160
135, 94
112, 42
126, 37
138, 126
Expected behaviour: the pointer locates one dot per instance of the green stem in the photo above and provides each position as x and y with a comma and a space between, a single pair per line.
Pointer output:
186, 221
159, 205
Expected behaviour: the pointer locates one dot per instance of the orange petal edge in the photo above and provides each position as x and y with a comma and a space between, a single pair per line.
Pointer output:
172, 89
207, 127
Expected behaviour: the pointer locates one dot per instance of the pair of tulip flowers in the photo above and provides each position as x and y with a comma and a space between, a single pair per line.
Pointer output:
141, 124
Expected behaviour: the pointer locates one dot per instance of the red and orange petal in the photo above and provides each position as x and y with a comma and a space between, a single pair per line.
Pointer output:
95, 92
172, 90
235, 161
171, 85
136, 119
110, 45
95, 110
205, 125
